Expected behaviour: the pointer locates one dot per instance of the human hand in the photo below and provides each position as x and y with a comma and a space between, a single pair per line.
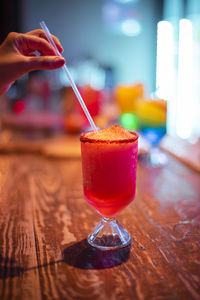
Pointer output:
17, 56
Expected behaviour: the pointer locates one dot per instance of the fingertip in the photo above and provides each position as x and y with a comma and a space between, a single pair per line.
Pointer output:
57, 42
60, 61
56, 62
45, 63
60, 48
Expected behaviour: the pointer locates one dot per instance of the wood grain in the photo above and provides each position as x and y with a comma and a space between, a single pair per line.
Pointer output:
44, 222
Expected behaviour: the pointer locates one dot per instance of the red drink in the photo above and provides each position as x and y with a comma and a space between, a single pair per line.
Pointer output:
109, 162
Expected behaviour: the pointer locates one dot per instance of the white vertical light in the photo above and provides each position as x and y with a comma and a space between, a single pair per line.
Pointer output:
185, 107
166, 73
165, 60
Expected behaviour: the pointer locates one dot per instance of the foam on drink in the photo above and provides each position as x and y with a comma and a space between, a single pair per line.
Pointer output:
112, 133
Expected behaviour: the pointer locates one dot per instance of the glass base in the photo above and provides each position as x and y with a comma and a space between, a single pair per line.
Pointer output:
109, 235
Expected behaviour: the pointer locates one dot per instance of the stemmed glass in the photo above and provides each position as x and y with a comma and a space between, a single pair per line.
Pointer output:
109, 181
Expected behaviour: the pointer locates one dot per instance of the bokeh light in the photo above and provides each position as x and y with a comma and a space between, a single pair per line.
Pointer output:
131, 27
18, 107
129, 121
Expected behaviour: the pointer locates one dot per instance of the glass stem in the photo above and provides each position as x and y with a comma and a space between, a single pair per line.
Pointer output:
109, 219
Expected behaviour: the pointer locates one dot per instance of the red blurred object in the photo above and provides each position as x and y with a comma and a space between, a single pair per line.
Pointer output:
74, 117
92, 99
19, 107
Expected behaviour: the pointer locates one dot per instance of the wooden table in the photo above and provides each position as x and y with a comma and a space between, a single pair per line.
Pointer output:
44, 222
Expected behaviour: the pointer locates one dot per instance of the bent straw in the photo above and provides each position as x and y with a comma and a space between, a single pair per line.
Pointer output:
67, 73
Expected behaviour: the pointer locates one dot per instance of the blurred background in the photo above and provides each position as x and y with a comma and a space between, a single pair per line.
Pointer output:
135, 62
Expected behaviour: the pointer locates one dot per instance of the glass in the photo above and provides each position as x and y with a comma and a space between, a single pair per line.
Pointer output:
109, 182
152, 115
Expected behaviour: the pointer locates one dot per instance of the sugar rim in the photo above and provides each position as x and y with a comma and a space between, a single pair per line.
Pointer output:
85, 139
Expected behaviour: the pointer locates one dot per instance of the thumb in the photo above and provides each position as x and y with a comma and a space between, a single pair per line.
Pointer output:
45, 62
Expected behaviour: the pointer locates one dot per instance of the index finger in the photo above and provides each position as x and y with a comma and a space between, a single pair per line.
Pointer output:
41, 33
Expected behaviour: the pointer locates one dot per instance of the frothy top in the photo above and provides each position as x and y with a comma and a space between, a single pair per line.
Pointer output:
113, 133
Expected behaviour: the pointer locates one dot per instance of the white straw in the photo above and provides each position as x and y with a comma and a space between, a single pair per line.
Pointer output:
67, 73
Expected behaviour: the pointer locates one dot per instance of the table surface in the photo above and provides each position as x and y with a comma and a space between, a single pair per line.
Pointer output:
44, 222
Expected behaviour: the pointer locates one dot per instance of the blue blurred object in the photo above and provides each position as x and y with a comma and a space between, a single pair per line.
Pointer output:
154, 135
